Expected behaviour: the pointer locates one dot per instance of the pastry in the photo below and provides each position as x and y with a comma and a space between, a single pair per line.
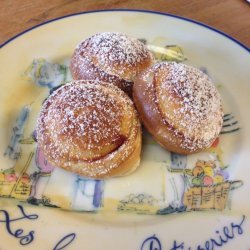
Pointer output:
179, 105
90, 128
110, 57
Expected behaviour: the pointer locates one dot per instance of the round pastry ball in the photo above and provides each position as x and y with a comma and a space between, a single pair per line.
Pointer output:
111, 57
91, 129
179, 105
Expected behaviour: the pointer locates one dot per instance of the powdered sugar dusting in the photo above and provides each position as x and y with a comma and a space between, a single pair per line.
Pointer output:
83, 68
117, 48
188, 100
115, 54
83, 121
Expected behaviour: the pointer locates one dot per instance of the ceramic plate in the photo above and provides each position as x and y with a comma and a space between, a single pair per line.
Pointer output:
173, 202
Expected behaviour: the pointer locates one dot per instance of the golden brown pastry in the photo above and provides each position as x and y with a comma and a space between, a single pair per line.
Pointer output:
110, 57
90, 128
179, 105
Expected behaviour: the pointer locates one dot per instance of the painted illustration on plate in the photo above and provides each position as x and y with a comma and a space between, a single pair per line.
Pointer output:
165, 183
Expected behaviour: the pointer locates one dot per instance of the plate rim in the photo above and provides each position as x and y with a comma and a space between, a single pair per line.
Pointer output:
130, 10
